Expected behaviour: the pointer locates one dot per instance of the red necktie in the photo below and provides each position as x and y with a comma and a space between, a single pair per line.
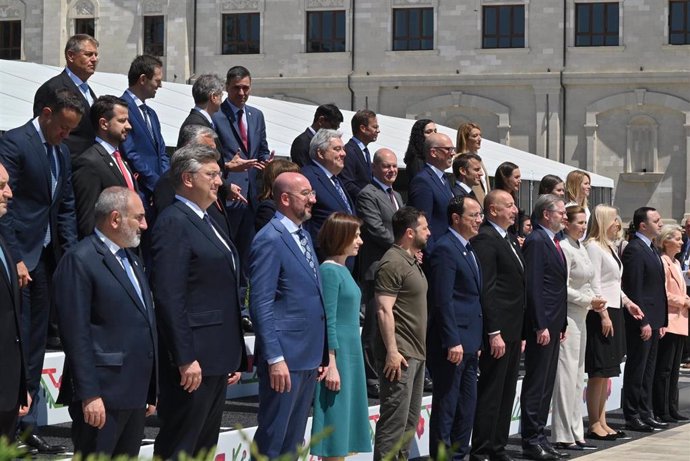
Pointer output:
558, 247
242, 128
123, 169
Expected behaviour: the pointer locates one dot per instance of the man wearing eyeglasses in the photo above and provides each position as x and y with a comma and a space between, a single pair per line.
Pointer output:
546, 281
195, 280
455, 315
430, 190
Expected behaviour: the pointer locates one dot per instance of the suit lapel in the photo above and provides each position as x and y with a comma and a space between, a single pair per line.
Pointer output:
42, 156
467, 258
230, 116
135, 117
119, 273
552, 248
328, 185
513, 248
295, 249
443, 189
145, 292
112, 166
384, 198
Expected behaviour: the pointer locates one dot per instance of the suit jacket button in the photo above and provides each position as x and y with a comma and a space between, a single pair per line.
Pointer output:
323, 317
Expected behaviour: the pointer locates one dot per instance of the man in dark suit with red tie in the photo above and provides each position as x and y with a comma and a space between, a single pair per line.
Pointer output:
108, 328
503, 308
357, 172
14, 400
644, 283
40, 224
195, 281
102, 164
81, 56
546, 282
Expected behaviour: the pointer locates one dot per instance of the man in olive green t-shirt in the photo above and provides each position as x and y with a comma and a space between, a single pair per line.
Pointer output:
401, 340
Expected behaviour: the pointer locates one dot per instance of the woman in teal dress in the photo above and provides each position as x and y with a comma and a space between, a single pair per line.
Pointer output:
341, 397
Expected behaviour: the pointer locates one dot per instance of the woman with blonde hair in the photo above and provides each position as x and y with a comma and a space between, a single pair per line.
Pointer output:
469, 140
578, 186
605, 328
665, 389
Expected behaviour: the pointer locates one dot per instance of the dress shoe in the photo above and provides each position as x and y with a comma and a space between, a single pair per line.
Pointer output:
567, 446
373, 391
636, 424
537, 453
680, 418
25, 449
605, 438
620, 435
584, 445
666, 419
428, 385
654, 423
551, 450
502, 457
42, 445
247, 324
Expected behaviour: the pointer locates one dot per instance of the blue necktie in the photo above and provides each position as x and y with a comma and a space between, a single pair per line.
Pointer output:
468, 247
341, 192
122, 256
3, 259
306, 250
86, 92
52, 161
147, 119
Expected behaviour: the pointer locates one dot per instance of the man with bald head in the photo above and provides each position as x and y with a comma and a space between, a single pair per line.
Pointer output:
286, 305
503, 306
430, 190
376, 204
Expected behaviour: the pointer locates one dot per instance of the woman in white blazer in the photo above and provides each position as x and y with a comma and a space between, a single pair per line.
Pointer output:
566, 422
605, 329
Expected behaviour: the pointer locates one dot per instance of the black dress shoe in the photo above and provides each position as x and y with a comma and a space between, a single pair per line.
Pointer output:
558, 454
567, 446
43, 447
605, 438
428, 385
666, 419
373, 391
502, 457
26, 449
537, 452
654, 423
620, 435
680, 418
247, 324
636, 424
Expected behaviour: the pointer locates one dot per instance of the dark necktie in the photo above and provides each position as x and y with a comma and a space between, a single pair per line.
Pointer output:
656, 253
214, 231
510, 244
147, 119
558, 247
389, 190
367, 156
468, 247
242, 129
52, 161
3, 259
124, 260
306, 250
341, 192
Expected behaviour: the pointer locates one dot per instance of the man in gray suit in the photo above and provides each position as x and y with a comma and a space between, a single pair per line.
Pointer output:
375, 205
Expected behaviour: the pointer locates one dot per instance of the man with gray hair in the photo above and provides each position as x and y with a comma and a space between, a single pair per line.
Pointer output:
195, 277
108, 328
207, 92
327, 161
81, 56
546, 283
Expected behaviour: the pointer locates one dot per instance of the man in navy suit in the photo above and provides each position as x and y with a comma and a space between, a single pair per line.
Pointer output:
207, 92
357, 172
286, 304
430, 190
644, 282
326, 116
101, 165
144, 148
546, 284
468, 172
40, 223
81, 55
455, 326
195, 281
14, 399
108, 328
327, 161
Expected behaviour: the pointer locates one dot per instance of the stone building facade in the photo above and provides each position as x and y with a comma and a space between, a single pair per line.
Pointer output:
600, 85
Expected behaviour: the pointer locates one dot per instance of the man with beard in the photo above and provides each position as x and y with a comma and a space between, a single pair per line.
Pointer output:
101, 165
107, 324
286, 305
401, 288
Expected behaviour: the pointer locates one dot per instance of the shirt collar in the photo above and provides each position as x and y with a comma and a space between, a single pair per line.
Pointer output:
502, 232
381, 185
311, 130
193, 206
138, 102
644, 238
359, 143
106, 145
458, 236
287, 222
408, 257
77, 81
204, 113
323, 168
438, 172
235, 108
112, 246
36, 125
464, 186
549, 232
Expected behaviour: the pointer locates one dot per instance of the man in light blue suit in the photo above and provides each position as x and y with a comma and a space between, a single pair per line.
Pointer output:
144, 147
287, 308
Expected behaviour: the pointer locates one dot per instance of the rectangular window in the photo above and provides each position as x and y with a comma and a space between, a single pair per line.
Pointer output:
325, 31
241, 33
85, 26
413, 29
10, 39
596, 24
503, 26
679, 22
154, 35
